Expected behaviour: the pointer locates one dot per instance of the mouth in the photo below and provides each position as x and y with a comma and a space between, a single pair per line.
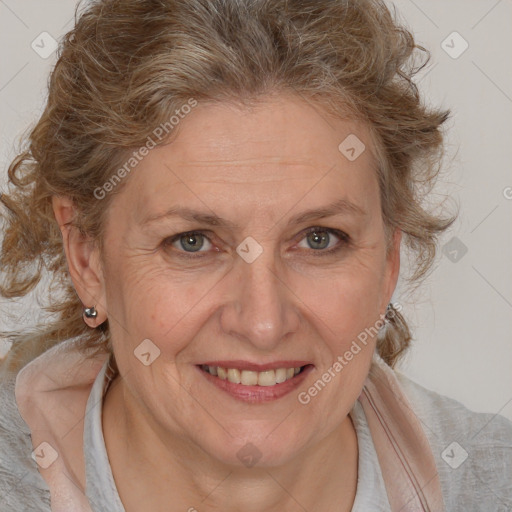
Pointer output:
255, 385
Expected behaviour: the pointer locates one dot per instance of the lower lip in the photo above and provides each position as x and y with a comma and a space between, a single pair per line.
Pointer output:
256, 394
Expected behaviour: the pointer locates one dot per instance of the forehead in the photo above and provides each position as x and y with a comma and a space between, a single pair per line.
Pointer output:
279, 148
283, 129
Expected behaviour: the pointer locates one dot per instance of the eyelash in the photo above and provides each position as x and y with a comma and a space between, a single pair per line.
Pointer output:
344, 241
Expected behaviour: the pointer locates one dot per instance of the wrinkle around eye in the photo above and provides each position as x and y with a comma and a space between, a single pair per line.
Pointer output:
173, 244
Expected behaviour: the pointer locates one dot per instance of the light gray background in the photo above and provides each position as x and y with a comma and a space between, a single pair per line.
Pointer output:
462, 314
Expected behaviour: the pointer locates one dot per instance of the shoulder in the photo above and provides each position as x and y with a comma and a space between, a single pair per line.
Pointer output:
22, 488
473, 451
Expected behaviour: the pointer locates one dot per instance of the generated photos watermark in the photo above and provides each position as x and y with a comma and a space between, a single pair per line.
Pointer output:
304, 397
158, 134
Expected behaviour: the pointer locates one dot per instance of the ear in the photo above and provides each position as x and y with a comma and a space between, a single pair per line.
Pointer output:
83, 259
392, 267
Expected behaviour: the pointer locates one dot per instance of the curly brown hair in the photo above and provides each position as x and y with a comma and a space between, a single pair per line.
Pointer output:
127, 65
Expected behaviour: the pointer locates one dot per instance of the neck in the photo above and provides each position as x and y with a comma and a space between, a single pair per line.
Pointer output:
322, 477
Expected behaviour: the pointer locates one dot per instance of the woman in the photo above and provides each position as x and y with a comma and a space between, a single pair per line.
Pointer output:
221, 190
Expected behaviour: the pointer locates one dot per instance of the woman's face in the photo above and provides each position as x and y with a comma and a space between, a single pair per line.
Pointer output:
250, 288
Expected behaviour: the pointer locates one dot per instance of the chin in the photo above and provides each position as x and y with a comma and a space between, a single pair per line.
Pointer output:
254, 449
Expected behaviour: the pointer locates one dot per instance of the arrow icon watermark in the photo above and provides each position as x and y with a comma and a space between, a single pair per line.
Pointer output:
146, 352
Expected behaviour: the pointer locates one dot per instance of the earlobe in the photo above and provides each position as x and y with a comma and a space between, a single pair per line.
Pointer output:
83, 260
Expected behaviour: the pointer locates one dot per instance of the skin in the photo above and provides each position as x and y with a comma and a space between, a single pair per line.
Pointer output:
172, 437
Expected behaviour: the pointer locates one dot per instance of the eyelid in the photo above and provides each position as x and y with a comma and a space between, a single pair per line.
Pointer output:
338, 232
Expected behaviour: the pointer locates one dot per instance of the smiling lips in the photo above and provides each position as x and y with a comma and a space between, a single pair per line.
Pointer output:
256, 383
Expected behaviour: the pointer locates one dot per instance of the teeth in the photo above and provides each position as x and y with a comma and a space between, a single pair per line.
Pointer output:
280, 375
251, 378
267, 378
234, 375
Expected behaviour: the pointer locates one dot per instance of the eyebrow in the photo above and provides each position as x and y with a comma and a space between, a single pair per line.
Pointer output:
338, 207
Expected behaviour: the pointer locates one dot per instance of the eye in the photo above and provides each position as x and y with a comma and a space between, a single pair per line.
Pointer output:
320, 241
190, 242
323, 240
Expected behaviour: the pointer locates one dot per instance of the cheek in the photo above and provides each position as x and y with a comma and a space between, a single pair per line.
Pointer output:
347, 319
148, 302
345, 302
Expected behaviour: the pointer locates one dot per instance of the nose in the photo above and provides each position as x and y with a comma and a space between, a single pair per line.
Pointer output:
260, 308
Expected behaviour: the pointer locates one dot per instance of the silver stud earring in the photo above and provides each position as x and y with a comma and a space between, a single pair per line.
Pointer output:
90, 312
390, 312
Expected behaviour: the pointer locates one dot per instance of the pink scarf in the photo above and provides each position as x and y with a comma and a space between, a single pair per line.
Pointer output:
52, 393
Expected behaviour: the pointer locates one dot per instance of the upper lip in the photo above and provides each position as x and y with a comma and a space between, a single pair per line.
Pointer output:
257, 367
